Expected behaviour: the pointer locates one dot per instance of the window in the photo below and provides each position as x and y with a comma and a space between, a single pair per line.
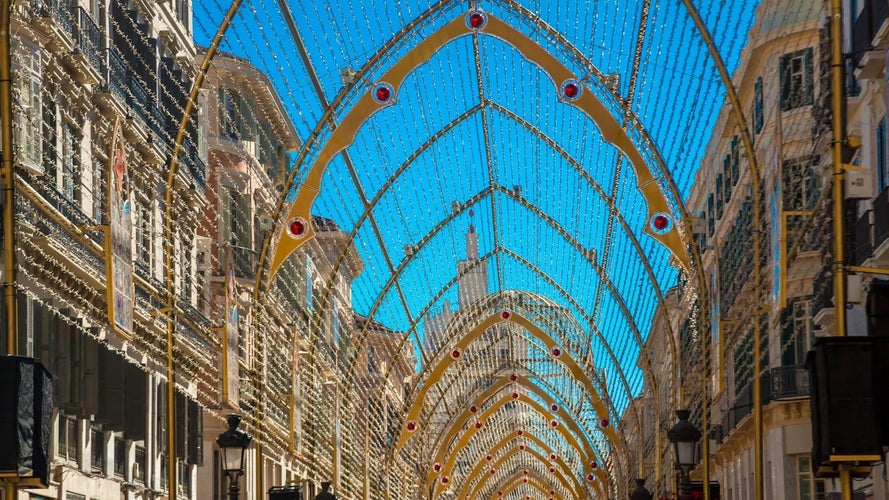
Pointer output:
120, 457
796, 79
28, 68
757, 105
143, 237
800, 184
97, 450
99, 208
70, 154
718, 194
372, 359
808, 487
69, 437
882, 143
229, 110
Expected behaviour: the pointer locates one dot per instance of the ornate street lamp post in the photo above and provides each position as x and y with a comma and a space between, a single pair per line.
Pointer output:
233, 444
684, 436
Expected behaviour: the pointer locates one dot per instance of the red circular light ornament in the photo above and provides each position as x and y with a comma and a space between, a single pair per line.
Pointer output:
554, 407
456, 353
590, 477
478, 425
476, 19
411, 426
661, 222
519, 432
604, 422
521, 447
554, 423
571, 90
556, 352
473, 409
525, 472
515, 395
552, 456
505, 315
436, 467
489, 458
444, 480
297, 227
594, 465
513, 377
493, 471
552, 470
383, 93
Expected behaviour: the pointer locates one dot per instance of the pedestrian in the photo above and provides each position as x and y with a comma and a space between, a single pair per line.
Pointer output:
325, 492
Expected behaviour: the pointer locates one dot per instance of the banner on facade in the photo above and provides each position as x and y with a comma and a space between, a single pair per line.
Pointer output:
230, 368
119, 238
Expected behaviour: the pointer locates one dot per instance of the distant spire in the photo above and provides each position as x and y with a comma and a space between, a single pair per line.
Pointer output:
471, 240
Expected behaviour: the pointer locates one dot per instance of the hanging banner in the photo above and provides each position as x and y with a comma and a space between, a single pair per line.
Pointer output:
230, 368
119, 238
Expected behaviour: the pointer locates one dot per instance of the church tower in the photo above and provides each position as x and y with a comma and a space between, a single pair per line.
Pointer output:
473, 280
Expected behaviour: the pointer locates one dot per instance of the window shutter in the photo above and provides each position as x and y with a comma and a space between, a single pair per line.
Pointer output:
111, 403
809, 77
181, 428
195, 434
136, 403
784, 76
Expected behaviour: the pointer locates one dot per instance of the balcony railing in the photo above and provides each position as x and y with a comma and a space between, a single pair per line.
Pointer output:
789, 382
60, 11
120, 458
89, 40
97, 450
139, 465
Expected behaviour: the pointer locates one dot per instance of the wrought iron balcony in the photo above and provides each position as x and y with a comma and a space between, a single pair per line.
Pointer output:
789, 382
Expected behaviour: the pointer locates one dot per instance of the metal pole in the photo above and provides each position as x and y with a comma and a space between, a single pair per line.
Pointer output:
846, 482
234, 489
7, 172
837, 97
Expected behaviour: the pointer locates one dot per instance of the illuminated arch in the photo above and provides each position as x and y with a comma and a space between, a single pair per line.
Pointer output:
611, 129
485, 478
573, 368
512, 483
584, 450
481, 466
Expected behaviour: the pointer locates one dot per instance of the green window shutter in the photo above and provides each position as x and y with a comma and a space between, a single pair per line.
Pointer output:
810, 77
784, 76
757, 108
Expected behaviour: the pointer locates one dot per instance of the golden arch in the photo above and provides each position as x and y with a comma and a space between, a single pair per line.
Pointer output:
496, 465
611, 129
534, 405
565, 471
413, 415
515, 481
452, 429
561, 412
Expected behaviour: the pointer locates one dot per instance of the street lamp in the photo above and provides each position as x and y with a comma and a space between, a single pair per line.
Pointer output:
233, 444
640, 492
684, 436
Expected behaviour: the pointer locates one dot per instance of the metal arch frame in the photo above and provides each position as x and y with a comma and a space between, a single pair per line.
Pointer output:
458, 421
463, 342
515, 481
512, 455
587, 102
556, 472
563, 415
646, 228
564, 470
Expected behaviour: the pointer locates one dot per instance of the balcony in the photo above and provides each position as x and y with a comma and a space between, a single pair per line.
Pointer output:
869, 33
55, 18
87, 59
788, 382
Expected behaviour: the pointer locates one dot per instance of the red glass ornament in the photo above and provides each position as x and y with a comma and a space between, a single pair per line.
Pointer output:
478, 425
444, 480
505, 315
519, 432
525, 472
571, 90
557, 352
473, 409
590, 477
552, 456
604, 422
521, 447
661, 222
383, 93
297, 227
552, 470
554, 423
513, 377
455, 353
525, 480
594, 465
515, 395
493, 471
411, 426
476, 20
554, 407
436, 467
489, 458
